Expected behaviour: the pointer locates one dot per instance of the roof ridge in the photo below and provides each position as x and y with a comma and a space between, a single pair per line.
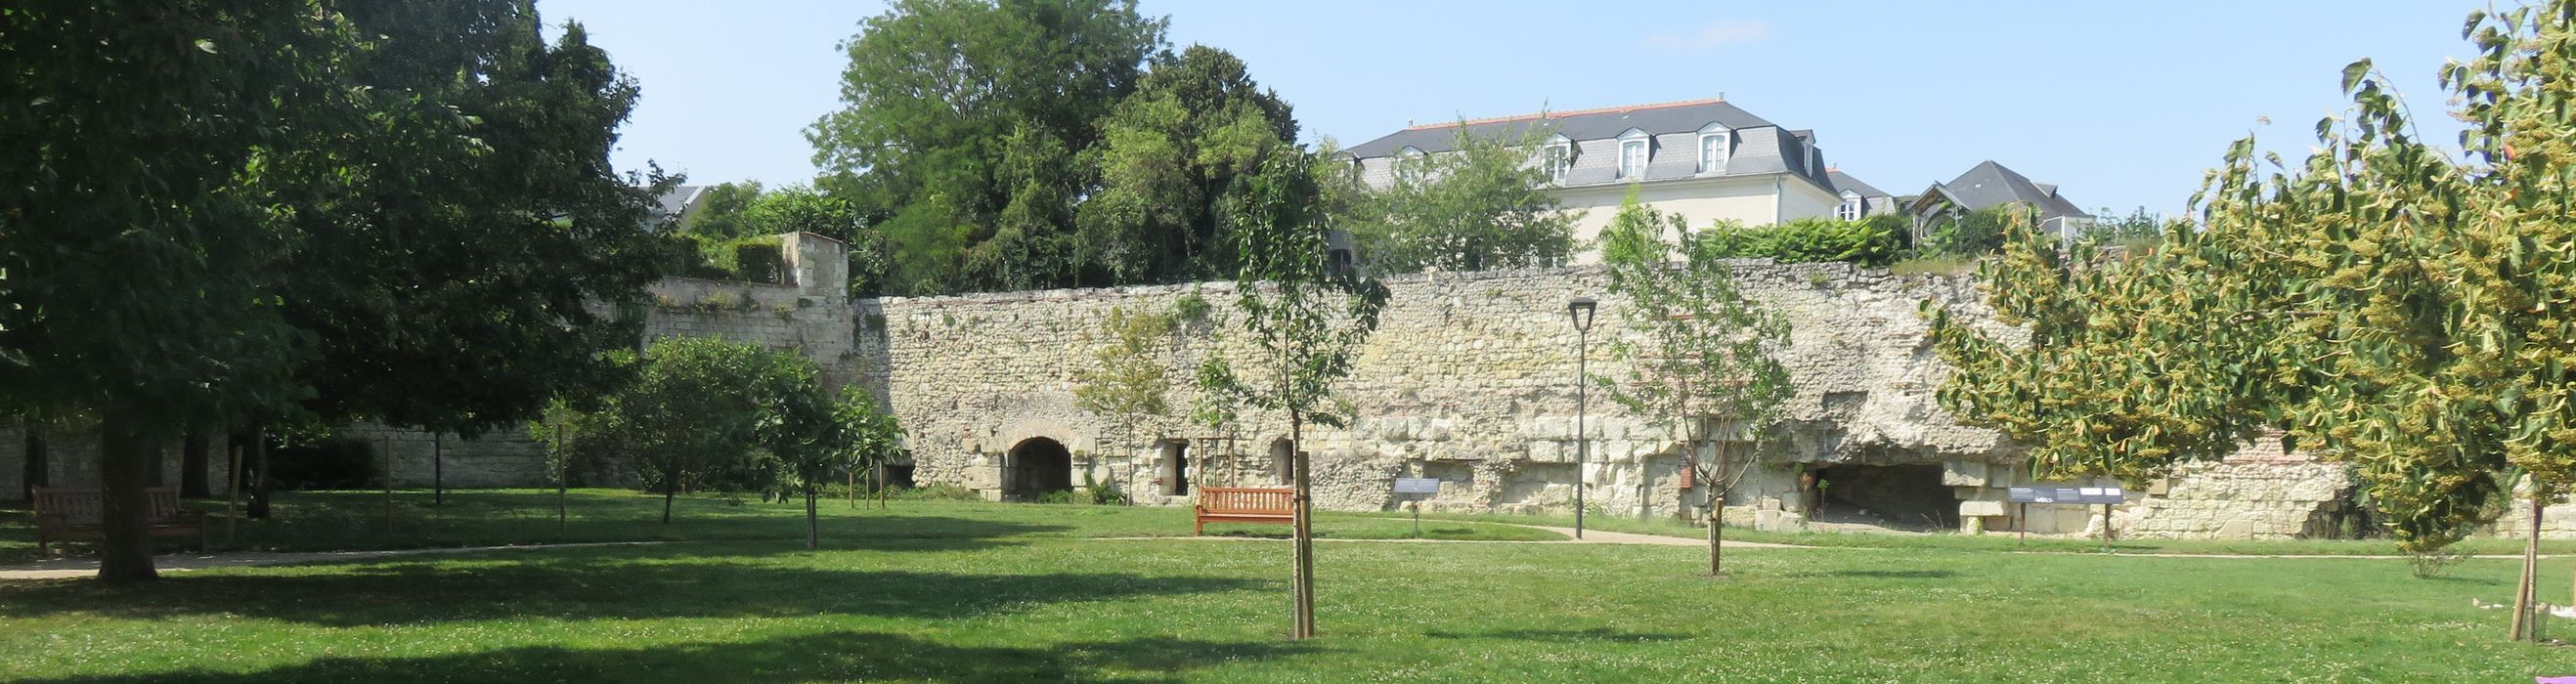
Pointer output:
1579, 112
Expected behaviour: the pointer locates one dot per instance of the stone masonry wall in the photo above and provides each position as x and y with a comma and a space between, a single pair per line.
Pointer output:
1469, 378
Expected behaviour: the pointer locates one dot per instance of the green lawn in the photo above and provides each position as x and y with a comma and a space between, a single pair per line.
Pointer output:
944, 591
320, 521
2006, 541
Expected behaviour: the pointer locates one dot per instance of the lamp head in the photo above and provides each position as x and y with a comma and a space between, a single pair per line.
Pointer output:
1580, 309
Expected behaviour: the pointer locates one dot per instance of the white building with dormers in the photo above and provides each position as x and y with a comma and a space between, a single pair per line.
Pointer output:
1704, 159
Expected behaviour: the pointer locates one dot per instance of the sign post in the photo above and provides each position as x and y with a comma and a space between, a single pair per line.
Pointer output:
2106, 497
1413, 490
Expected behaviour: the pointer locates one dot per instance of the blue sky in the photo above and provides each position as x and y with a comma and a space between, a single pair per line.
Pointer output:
2122, 103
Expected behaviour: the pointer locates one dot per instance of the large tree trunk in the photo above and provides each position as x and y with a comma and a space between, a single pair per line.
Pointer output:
125, 547
192, 464
1303, 506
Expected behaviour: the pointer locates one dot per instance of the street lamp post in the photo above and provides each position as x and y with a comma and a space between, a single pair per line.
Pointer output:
1580, 310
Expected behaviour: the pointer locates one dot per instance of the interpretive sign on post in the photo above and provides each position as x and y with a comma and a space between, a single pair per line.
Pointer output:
2106, 497
2067, 495
1413, 490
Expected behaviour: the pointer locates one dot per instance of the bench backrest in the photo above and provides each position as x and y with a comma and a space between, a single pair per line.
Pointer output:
1246, 500
80, 507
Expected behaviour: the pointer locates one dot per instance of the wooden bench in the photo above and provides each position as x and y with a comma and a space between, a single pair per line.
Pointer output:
73, 514
1245, 505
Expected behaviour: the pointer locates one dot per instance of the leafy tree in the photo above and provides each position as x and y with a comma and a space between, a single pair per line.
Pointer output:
1168, 155
876, 439
454, 283
968, 156
1699, 352
1482, 206
813, 437
1303, 316
700, 407
2115, 374
721, 213
1127, 382
138, 212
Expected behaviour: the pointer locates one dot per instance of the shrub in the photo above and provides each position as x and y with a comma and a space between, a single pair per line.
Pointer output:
760, 261
1874, 241
943, 492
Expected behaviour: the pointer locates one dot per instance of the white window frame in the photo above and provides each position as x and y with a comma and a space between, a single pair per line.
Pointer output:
1558, 158
1725, 148
1645, 154
1851, 208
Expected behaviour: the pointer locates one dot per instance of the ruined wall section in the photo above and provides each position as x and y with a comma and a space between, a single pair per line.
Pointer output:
1469, 378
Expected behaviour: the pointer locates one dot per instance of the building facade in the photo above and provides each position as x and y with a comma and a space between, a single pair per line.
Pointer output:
1704, 159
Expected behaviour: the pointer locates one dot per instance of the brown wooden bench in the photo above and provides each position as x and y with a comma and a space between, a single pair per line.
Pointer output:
73, 514
1245, 505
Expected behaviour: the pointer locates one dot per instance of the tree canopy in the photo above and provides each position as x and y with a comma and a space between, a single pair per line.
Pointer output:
1482, 206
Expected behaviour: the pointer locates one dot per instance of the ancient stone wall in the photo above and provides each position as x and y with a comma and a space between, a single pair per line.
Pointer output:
1469, 379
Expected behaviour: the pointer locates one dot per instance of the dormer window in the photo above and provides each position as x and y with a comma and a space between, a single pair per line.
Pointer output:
1405, 156
1850, 209
1632, 154
1559, 159
1714, 144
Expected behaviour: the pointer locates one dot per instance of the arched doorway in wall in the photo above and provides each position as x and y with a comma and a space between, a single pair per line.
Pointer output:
1035, 467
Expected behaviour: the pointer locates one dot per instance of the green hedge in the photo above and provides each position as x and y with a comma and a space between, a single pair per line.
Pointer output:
1874, 241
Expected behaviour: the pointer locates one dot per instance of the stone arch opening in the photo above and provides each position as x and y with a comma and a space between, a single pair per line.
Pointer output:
1910, 496
1036, 467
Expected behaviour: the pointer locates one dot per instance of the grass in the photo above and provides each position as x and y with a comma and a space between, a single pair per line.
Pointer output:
2006, 541
1013, 592
320, 521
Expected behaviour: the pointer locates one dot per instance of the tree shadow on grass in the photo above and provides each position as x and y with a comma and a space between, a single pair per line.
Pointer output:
833, 656
1594, 634
628, 583
890, 533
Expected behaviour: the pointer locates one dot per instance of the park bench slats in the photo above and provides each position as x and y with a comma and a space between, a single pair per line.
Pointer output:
73, 514
1264, 505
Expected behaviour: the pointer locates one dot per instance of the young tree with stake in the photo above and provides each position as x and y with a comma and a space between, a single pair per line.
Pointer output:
1305, 318
1699, 352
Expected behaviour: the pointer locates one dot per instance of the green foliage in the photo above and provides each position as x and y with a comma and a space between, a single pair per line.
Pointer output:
1482, 206
2139, 225
1302, 315
2118, 376
273, 212
721, 213
760, 262
711, 414
1127, 383
1168, 156
1699, 352
1976, 233
971, 157
1875, 241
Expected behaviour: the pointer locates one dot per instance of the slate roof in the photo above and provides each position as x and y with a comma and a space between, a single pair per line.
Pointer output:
1990, 184
1589, 124
1844, 181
